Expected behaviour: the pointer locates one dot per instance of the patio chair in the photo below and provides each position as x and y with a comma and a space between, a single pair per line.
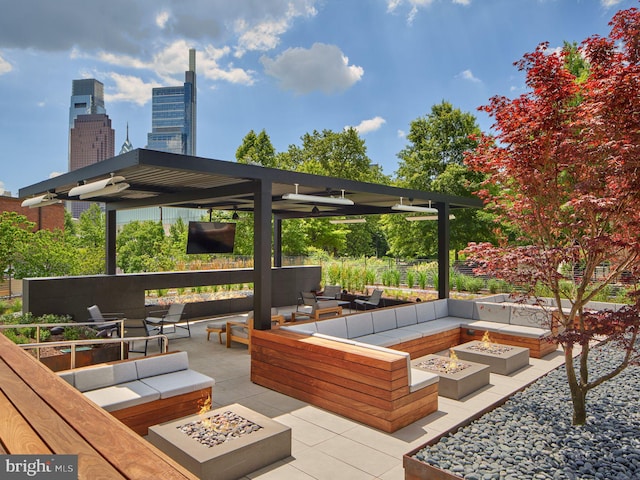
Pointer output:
371, 301
137, 328
241, 331
104, 330
171, 317
331, 292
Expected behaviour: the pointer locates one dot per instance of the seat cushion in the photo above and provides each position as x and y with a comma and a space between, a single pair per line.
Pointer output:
406, 316
426, 311
379, 339
359, 324
384, 319
336, 327
177, 383
434, 326
94, 378
123, 395
157, 365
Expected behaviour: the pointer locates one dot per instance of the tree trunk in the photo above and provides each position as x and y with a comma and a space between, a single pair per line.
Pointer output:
578, 394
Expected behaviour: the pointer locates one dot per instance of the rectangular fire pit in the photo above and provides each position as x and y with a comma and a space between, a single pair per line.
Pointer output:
502, 359
264, 442
455, 384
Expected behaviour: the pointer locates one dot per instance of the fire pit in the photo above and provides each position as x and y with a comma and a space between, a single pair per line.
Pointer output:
226, 443
502, 359
457, 379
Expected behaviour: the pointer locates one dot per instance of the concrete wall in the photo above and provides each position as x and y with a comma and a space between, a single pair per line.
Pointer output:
126, 293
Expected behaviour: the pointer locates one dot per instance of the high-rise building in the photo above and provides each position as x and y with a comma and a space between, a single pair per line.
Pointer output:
173, 115
91, 138
127, 146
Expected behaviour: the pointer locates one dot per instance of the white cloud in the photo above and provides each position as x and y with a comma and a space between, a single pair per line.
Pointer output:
55, 174
5, 67
462, 2
402, 134
321, 68
130, 89
162, 18
370, 125
610, 3
265, 34
416, 5
468, 75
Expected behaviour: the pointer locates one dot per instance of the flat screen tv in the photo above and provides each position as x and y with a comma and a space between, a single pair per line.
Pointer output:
211, 237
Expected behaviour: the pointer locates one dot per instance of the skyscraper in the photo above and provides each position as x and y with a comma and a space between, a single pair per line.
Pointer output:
173, 115
91, 138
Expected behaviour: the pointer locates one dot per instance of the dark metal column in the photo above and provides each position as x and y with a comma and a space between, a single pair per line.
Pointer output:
444, 233
277, 242
262, 255
110, 242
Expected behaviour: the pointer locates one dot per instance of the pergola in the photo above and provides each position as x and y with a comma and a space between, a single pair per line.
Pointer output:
166, 179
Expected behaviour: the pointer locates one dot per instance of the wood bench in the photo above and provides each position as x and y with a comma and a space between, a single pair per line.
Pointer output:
372, 385
42, 414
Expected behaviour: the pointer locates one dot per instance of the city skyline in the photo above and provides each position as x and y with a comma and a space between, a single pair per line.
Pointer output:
288, 67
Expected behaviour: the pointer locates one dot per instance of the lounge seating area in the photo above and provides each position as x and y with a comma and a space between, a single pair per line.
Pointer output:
145, 391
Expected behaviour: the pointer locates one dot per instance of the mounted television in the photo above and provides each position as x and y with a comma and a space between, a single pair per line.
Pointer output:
211, 237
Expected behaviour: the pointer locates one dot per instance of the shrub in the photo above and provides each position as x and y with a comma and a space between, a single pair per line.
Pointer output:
410, 279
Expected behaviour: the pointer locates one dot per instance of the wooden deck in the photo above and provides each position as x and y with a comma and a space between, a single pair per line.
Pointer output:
42, 414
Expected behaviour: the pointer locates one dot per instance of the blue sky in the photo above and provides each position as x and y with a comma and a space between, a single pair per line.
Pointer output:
286, 66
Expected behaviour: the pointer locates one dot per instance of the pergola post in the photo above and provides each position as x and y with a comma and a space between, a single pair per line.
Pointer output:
444, 234
262, 255
277, 241
110, 242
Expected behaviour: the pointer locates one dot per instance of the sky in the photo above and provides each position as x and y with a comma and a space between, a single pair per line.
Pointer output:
286, 66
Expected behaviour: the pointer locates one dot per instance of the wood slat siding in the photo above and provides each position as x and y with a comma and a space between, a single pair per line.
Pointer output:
365, 385
538, 348
45, 415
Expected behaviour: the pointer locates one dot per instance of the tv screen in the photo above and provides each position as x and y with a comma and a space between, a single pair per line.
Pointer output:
211, 237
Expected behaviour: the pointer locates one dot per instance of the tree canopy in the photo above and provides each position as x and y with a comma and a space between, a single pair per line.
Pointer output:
563, 172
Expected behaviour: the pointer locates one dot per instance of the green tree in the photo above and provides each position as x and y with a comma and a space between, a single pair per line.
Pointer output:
90, 240
14, 230
434, 161
46, 254
257, 149
141, 247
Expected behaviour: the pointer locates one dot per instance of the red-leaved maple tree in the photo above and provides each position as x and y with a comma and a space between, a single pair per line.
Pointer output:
564, 175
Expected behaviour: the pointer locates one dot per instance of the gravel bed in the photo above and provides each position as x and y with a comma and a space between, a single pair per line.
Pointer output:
531, 435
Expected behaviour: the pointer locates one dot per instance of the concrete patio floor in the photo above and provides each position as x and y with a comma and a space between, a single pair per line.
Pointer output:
326, 445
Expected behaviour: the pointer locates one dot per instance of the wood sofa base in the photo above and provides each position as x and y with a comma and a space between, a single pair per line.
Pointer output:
365, 385
140, 417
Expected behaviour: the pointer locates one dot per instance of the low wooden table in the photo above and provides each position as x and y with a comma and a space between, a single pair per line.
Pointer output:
503, 360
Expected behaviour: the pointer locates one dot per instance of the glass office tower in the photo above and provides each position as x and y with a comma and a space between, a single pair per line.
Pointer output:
173, 115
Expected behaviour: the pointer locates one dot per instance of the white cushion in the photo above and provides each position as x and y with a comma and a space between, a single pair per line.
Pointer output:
530, 332
306, 328
435, 326
482, 325
384, 319
123, 395
459, 308
426, 311
157, 365
379, 339
177, 383
336, 327
94, 378
406, 315
359, 324
492, 312
419, 378
442, 308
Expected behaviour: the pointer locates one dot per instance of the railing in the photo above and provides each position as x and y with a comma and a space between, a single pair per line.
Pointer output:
72, 344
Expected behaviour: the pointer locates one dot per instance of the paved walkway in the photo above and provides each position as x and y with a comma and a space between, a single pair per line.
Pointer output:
327, 446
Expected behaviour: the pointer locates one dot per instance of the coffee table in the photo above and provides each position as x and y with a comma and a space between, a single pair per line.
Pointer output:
503, 360
458, 384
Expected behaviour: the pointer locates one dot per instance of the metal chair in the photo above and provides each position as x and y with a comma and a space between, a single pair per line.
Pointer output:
160, 319
371, 301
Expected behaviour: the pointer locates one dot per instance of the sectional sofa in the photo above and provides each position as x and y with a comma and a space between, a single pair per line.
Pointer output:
145, 391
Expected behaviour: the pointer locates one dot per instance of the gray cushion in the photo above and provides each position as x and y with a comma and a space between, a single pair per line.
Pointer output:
124, 372
172, 362
530, 316
426, 311
379, 339
384, 319
177, 383
530, 332
460, 308
406, 316
402, 334
336, 327
94, 377
435, 326
483, 326
442, 308
492, 312
359, 324
68, 376
123, 395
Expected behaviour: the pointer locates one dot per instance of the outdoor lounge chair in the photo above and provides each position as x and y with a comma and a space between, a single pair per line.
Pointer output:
171, 317
331, 292
241, 331
95, 315
371, 301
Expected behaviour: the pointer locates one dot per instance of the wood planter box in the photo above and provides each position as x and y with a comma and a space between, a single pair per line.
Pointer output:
93, 356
